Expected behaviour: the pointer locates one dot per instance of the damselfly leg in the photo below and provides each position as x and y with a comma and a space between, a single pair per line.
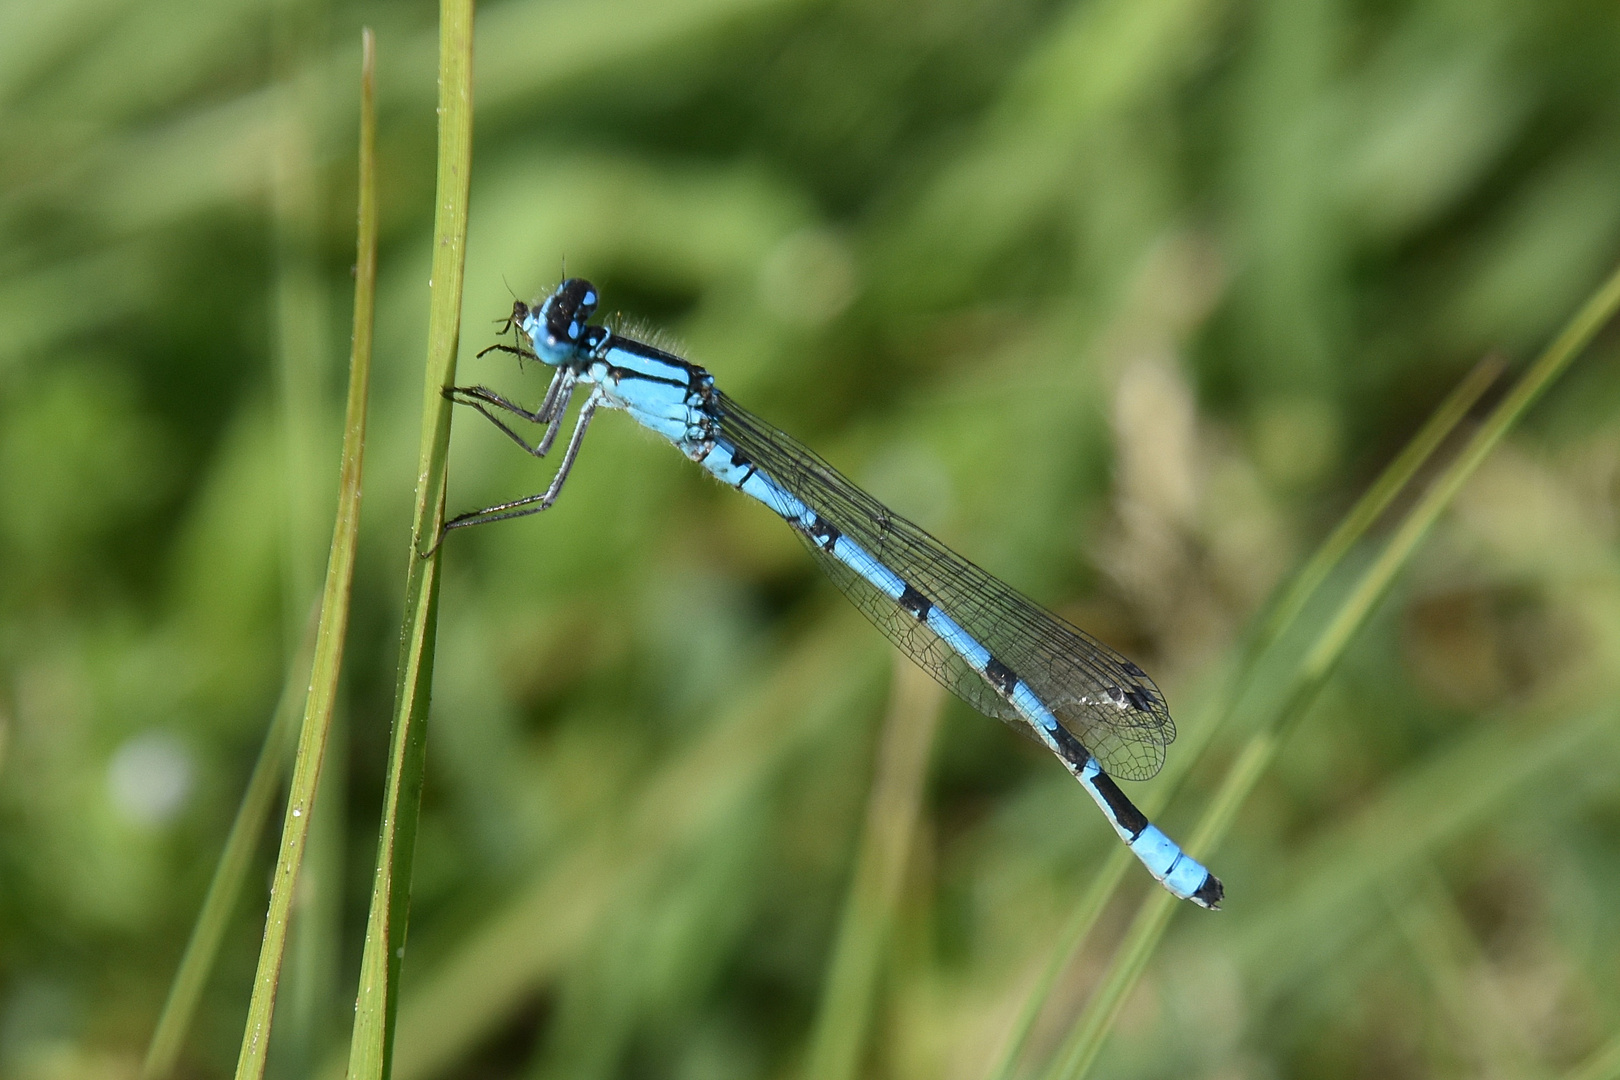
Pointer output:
550, 412
531, 504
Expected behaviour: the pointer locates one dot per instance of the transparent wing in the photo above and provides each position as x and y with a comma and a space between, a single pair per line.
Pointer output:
1103, 699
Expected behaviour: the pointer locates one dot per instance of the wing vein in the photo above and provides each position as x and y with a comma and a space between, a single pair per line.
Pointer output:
1103, 699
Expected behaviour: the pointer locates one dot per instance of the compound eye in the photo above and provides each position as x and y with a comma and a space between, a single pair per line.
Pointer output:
570, 308
579, 297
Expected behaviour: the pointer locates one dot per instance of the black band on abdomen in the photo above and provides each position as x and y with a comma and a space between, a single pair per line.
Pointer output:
1129, 817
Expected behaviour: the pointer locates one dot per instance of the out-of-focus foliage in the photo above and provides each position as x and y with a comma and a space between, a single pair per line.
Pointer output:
1125, 299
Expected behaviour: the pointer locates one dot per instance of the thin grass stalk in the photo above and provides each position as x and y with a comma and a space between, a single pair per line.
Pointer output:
310, 992
1273, 627
1081, 1049
839, 1035
303, 355
334, 618
1073, 935
531, 937
225, 889
377, 1001
1390, 483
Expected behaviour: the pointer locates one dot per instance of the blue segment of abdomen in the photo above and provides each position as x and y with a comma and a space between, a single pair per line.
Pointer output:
977, 656
1177, 871
1164, 859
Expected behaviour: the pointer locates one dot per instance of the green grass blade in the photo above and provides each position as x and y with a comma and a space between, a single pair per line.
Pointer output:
197, 962
371, 1047
301, 321
1327, 557
1073, 935
1085, 1040
1081, 1049
820, 681
334, 619
891, 817
1304, 928
1274, 626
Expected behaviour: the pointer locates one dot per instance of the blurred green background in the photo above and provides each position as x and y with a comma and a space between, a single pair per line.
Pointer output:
1127, 300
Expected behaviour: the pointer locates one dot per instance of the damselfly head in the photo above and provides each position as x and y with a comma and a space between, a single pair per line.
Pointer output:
561, 326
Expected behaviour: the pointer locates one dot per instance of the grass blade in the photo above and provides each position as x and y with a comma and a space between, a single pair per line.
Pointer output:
301, 323
822, 679
891, 818
329, 637
376, 1005
1390, 483
1073, 935
1081, 1049
1338, 878
197, 962
1274, 626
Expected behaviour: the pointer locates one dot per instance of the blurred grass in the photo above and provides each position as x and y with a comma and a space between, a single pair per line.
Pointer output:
1272, 625
838, 1039
1127, 301
1301, 685
326, 657
235, 860
371, 1046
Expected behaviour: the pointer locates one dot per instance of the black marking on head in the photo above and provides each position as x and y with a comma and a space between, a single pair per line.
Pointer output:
916, 603
1209, 894
569, 309
824, 534
1001, 677
1129, 817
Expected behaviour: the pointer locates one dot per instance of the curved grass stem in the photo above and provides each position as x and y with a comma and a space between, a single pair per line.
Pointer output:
334, 617
1307, 678
377, 1001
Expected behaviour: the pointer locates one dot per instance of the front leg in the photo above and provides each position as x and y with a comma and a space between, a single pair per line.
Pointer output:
472, 395
531, 504
562, 380
550, 413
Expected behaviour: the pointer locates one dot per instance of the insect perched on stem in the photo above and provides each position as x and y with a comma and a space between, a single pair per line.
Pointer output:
1000, 652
